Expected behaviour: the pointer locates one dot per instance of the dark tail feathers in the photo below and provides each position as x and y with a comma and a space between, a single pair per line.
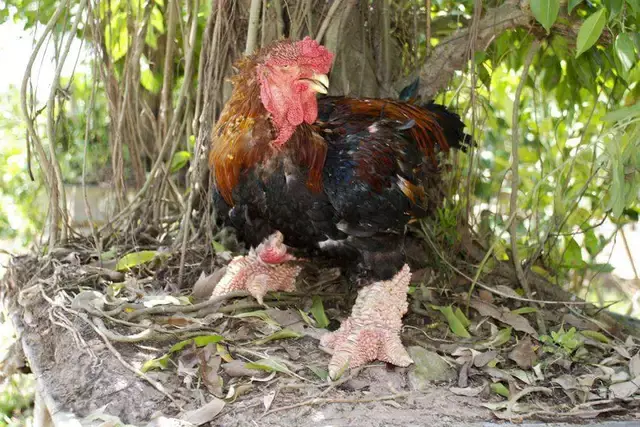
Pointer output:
452, 126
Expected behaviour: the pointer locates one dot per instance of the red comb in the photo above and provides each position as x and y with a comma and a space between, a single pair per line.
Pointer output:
315, 54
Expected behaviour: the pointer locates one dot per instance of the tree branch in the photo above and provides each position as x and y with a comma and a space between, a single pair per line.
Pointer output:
515, 179
450, 54
254, 22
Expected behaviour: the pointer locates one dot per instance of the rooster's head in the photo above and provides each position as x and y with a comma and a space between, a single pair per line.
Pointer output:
290, 75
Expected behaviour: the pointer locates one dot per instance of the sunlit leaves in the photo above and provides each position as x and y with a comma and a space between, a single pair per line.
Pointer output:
625, 51
545, 12
590, 31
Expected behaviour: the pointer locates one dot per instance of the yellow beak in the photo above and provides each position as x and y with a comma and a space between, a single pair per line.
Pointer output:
319, 83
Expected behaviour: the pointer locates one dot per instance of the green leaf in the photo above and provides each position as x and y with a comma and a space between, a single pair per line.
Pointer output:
595, 335
545, 12
317, 309
572, 4
180, 160
218, 247
524, 310
199, 341
601, 267
323, 374
159, 363
280, 335
591, 242
625, 51
135, 259
462, 318
590, 31
268, 365
623, 113
163, 361
614, 7
457, 327
572, 254
150, 81
500, 389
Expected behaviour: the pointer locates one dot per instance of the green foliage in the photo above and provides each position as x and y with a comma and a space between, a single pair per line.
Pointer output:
590, 31
545, 11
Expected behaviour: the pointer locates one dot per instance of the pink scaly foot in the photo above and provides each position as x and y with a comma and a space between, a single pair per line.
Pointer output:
264, 269
372, 332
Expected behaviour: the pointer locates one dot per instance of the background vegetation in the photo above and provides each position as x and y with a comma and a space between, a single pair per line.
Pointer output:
548, 88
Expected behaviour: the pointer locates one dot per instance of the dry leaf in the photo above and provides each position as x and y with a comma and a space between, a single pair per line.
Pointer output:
524, 353
634, 365
203, 288
468, 391
622, 351
566, 381
267, 400
620, 376
516, 321
205, 413
237, 368
508, 291
625, 389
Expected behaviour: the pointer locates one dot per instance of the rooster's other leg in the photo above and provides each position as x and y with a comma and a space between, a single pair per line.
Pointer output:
372, 332
264, 269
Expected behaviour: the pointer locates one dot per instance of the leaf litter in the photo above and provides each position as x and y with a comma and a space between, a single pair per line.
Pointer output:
230, 352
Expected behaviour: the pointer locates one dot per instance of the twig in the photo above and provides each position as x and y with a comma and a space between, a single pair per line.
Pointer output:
170, 309
427, 6
386, 46
327, 20
514, 399
277, 4
475, 281
515, 180
626, 246
317, 401
167, 80
254, 23
44, 161
87, 207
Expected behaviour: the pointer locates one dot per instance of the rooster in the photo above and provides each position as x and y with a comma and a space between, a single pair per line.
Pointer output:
335, 175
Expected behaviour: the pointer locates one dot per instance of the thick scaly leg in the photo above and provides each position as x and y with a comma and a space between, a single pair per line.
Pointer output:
264, 269
372, 332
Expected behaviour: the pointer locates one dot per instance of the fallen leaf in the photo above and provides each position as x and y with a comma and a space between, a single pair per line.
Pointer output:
468, 391
524, 353
634, 365
524, 376
267, 399
516, 321
620, 376
500, 389
280, 335
622, 351
595, 335
317, 310
135, 259
203, 288
235, 392
508, 291
456, 326
566, 381
205, 413
625, 389
268, 365
483, 359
